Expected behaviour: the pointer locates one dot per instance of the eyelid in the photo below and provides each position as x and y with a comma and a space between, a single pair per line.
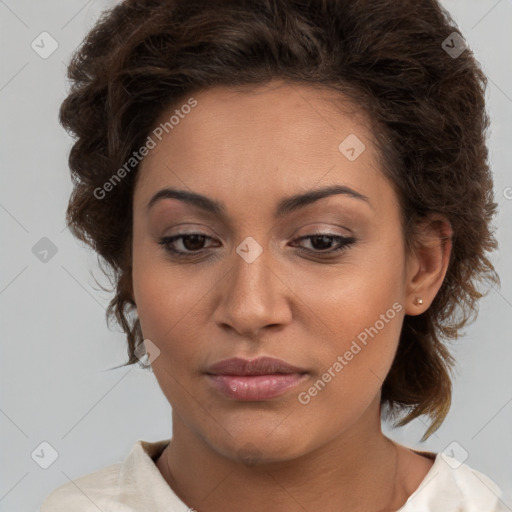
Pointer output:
344, 240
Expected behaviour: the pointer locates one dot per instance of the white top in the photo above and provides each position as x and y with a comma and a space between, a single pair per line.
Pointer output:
136, 485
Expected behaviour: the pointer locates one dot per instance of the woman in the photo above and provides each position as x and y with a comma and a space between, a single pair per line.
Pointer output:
296, 202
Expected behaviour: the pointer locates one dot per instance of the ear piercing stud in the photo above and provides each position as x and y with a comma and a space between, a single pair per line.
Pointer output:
418, 301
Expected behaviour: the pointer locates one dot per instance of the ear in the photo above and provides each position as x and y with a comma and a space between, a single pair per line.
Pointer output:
428, 262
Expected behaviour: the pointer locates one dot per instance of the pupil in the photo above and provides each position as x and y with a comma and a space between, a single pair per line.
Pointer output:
325, 239
197, 238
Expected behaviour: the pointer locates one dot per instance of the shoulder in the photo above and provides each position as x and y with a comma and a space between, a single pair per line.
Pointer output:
90, 492
454, 486
478, 492
113, 488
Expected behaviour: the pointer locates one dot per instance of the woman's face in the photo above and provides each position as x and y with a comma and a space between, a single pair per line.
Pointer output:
255, 281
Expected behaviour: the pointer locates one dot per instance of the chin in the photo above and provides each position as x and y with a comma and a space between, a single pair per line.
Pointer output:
259, 447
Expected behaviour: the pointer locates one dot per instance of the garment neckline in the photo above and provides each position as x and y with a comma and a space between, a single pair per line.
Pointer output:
155, 449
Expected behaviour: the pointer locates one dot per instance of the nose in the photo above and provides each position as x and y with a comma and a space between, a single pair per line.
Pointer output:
254, 296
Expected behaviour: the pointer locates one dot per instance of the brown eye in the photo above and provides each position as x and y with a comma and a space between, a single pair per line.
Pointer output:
323, 242
191, 243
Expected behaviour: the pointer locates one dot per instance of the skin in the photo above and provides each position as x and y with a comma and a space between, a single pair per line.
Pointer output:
249, 149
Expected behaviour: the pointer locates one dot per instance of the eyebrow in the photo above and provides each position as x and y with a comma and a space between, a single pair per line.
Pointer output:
284, 207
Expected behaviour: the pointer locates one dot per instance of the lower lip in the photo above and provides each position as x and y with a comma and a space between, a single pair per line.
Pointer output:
255, 387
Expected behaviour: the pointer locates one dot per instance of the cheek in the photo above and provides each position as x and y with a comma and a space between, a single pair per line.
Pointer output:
165, 307
355, 359
363, 328
361, 313
165, 301
346, 299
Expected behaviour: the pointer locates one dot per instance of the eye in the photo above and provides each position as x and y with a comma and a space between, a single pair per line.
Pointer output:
193, 243
322, 243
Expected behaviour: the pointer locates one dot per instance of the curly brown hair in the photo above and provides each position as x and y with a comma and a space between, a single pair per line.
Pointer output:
390, 56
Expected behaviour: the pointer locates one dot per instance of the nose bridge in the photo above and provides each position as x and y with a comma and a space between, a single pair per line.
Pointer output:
250, 278
249, 299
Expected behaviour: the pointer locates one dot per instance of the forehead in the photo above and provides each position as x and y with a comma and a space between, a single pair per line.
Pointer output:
259, 141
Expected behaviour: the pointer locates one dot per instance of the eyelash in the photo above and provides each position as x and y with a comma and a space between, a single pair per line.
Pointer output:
344, 241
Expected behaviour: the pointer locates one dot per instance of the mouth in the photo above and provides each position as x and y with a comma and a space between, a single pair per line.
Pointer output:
254, 380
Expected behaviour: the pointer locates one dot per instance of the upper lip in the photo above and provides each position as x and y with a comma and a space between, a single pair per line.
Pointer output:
258, 366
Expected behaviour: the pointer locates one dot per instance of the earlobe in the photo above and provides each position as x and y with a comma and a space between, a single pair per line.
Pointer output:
428, 265
418, 301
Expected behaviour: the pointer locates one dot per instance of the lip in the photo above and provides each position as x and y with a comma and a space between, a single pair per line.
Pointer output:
253, 380
259, 366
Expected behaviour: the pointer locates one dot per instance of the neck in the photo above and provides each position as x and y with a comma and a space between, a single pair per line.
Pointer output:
355, 471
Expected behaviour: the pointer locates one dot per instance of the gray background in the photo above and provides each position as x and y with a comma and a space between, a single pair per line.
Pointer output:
56, 347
